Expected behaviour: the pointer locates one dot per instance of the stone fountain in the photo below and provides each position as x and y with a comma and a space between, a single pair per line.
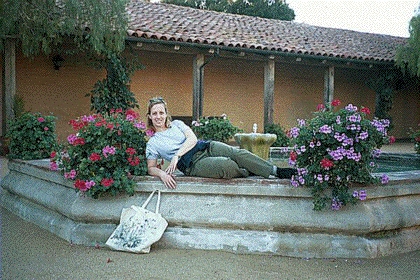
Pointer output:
256, 143
243, 215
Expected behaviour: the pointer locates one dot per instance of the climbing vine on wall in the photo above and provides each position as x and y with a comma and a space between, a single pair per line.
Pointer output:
385, 84
113, 92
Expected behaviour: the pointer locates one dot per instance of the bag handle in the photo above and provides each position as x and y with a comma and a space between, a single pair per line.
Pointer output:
148, 199
158, 203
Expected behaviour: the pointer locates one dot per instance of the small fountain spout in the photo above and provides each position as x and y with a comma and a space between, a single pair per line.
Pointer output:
257, 143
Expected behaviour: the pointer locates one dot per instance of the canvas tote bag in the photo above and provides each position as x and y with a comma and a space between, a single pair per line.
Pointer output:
139, 228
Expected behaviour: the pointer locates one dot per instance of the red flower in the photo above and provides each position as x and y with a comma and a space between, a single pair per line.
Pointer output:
100, 123
391, 139
53, 154
134, 161
365, 110
119, 110
46, 128
326, 163
131, 115
81, 185
107, 182
130, 151
77, 125
74, 124
79, 141
293, 156
335, 102
110, 126
94, 157
320, 107
41, 119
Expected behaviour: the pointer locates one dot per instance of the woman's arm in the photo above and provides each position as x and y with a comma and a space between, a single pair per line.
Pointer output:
190, 142
166, 178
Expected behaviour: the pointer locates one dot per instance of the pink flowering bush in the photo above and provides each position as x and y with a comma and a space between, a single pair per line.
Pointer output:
104, 153
32, 136
335, 149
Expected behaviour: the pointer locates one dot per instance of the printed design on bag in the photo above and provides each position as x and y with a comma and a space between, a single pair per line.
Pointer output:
134, 231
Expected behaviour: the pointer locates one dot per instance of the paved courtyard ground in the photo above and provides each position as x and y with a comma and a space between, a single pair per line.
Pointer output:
29, 252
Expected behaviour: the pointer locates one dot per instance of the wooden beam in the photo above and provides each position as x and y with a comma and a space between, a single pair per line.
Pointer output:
253, 54
8, 82
329, 85
269, 68
198, 86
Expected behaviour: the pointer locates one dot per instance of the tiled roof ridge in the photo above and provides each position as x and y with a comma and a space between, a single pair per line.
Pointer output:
177, 23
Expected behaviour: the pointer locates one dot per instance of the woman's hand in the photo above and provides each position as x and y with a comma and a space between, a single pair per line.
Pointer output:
172, 166
168, 180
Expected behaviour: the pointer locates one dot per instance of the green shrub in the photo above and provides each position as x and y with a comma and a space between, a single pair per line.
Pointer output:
215, 128
282, 139
31, 136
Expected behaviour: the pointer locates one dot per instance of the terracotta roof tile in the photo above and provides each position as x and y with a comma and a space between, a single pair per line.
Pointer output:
183, 24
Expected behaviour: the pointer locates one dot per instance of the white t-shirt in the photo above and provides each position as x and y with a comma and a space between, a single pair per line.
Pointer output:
167, 143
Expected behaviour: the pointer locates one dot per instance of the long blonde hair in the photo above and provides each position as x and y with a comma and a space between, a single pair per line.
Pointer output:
153, 102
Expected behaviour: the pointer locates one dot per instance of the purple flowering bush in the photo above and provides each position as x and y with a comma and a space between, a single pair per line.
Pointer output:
104, 154
335, 149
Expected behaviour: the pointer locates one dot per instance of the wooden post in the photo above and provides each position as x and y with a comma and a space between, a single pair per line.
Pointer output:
269, 68
8, 82
198, 86
329, 85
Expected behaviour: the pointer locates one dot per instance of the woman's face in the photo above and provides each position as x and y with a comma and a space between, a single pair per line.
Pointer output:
158, 116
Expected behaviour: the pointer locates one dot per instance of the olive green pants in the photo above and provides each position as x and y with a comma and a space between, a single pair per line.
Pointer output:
223, 161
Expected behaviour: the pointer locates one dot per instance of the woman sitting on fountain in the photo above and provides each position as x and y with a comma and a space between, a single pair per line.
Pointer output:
176, 142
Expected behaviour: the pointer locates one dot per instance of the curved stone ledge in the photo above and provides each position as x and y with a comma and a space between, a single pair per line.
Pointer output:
252, 215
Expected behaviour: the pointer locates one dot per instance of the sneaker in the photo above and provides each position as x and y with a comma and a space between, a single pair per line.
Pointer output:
286, 173
245, 173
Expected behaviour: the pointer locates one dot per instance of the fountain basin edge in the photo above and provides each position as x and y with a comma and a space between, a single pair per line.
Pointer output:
252, 215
